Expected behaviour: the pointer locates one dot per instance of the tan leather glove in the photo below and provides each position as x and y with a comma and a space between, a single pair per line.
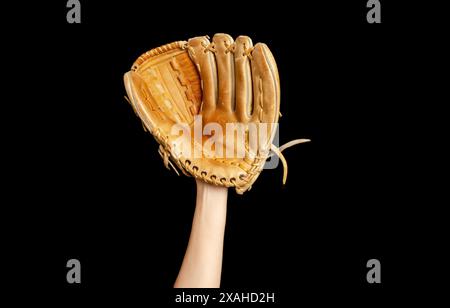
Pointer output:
223, 81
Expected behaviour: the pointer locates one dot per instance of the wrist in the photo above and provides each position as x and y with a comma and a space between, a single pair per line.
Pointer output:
211, 195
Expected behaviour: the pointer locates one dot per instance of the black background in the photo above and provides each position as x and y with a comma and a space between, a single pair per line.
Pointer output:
90, 184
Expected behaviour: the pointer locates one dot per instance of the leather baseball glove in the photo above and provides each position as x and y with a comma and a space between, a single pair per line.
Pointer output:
185, 91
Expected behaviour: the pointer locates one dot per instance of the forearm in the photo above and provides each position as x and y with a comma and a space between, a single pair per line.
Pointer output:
202, 263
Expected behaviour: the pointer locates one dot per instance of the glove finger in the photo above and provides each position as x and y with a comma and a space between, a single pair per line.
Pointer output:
244, 106
206, 64
142, 101
266, 86
225, 70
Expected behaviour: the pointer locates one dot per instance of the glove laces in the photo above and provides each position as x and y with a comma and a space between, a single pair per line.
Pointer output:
278, 151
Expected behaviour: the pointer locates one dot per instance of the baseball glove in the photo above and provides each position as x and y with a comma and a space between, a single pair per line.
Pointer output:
199, 87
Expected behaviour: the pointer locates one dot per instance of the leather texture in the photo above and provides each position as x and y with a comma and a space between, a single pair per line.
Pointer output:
224, 81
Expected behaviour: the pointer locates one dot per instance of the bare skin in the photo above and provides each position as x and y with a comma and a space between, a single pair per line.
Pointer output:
202, 263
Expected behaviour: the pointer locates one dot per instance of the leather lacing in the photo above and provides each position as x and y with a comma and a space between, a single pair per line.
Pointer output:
248, 52
211, 47
278, 152
212, 179
230, 47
